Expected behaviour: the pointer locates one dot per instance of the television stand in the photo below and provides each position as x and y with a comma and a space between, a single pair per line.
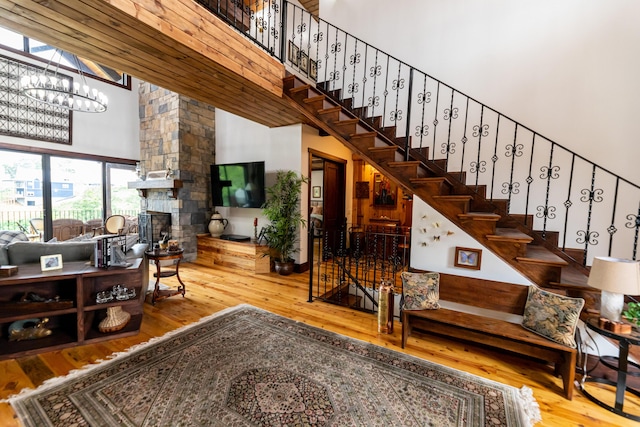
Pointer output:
248, 256
235, 237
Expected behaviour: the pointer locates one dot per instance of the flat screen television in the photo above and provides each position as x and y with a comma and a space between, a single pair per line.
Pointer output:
238, 185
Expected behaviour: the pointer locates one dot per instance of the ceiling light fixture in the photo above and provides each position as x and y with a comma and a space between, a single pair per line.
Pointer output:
59, 91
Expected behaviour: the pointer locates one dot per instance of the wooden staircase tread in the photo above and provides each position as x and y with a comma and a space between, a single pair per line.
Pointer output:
510, 234
480, 216
346, 122
452, 197
407, 163
299, 89
429, 180
329, 110
314, 99
382, 149
363, 135
541, 255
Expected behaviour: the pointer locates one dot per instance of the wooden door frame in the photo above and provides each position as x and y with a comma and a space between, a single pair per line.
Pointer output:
342, 163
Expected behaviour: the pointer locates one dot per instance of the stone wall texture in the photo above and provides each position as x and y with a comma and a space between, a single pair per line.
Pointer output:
178, 132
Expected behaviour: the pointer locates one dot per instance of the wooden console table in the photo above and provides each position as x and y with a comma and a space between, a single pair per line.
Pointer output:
245, 255
74, 321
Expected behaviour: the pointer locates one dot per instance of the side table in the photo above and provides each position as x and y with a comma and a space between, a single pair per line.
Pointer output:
620, 365
162, 255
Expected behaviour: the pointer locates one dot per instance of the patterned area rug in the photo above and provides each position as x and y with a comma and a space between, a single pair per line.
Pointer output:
249, 367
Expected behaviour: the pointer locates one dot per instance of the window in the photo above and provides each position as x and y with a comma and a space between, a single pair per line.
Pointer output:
75, 195
48, 53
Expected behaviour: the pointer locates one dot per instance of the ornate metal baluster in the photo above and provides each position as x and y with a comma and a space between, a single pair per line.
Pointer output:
424, 98
374, 72
479, 131
568, 203
451, 114
529, 180
396, 85
612, 228
494, 159
464, 141
513, 151
548, 172
590, 196
634, 224
435, 120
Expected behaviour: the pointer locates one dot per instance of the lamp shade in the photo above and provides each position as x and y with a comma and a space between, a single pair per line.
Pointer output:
621, 276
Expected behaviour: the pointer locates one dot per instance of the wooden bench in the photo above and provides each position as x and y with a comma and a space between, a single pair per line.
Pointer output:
477, 328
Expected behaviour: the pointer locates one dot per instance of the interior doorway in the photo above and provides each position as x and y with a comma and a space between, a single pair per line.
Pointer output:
327, 205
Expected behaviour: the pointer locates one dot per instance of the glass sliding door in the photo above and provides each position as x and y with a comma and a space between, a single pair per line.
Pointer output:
21, 193
120, 199
76, 195
47, 196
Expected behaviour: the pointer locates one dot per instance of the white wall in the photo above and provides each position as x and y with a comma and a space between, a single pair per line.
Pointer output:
433, 242
241, 140
114, 133
567, 69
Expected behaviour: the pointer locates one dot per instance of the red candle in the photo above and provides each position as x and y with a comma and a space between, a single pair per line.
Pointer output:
255, 222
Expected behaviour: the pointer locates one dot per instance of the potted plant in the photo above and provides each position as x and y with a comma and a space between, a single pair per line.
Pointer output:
282, 209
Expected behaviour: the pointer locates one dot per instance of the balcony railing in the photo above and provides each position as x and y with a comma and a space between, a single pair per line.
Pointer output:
583, 208
29, 221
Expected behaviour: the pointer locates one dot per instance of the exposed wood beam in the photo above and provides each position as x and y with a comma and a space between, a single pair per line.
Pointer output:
175, 44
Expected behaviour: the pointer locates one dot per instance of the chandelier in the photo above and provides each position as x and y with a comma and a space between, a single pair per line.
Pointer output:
59, 91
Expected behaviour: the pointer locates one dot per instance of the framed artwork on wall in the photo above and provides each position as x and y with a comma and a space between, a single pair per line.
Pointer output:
317, 192
385, 192
304, 62
294, 53
313, 69
362, 190
468, 258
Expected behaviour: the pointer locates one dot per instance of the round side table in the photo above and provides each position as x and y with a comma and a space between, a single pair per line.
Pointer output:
619, 364
162, 255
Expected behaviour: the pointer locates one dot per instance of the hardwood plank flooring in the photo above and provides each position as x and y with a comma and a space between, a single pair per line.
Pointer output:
213, 289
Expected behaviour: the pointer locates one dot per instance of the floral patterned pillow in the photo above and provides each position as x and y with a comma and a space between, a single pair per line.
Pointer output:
551, 315
421, 291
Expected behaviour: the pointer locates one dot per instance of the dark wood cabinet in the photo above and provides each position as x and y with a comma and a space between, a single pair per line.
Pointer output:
72, 311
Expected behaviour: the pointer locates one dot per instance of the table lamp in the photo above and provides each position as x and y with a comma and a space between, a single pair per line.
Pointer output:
616, 278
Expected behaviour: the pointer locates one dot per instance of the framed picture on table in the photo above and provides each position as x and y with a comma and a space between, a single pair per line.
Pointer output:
51, 262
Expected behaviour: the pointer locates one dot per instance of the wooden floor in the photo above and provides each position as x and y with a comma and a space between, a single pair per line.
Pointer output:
210, 290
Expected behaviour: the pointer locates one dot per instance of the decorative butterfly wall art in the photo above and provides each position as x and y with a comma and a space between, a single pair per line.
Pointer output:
468, 258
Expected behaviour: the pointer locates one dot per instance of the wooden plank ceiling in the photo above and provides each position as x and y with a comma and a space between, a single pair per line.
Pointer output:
175, 44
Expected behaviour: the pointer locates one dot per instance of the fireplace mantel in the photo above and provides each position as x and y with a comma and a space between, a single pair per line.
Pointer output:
157, 184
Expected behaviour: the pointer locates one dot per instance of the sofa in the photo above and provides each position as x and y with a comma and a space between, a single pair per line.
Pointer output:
16, 249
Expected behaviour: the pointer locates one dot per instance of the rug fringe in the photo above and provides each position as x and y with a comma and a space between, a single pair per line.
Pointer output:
52, 382
530, 407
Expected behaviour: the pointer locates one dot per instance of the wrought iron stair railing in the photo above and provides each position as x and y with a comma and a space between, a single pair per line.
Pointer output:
564, 198
347, 265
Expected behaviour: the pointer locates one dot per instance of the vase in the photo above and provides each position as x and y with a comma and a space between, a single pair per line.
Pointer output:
284, 268
217, 225
116, 319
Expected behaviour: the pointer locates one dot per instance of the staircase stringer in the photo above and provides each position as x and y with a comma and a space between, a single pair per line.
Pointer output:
545, 270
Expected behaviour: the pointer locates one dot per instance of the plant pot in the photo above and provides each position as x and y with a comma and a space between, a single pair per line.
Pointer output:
284, 268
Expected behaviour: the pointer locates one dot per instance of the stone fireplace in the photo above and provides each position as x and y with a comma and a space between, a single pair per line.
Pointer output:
177, 132
152, 225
